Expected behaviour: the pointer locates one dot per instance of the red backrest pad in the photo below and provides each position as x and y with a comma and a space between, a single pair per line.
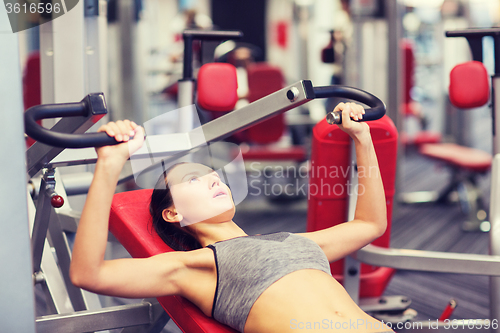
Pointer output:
329, 189
32, 91
469, 85
264, 79
130, 223
217, 87
408, 70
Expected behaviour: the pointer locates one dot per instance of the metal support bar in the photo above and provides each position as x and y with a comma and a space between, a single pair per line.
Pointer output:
155, 327
384, 303
264, 108
58, 240
431, 261
352, 275
41, 224
69, 220
165, 145
103, 319
495, 112
55, 289
352, 267
495, 237
49, 276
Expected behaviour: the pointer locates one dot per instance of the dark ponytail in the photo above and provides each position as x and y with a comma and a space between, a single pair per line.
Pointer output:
172, 234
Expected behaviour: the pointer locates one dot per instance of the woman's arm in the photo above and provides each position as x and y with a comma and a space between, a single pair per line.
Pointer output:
370, 218
124, 277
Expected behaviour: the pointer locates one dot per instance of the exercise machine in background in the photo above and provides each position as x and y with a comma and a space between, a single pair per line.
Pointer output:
459, 263
469, 88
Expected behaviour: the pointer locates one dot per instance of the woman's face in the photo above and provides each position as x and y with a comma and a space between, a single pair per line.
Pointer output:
199, 194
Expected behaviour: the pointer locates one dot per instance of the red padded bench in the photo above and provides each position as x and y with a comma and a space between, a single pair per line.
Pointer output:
130, 223
217, 94
469, 88
410, 108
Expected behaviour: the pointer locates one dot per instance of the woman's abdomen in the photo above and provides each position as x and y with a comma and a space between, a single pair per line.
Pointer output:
308, 300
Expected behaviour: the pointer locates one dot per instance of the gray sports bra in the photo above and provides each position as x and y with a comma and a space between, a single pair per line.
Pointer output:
247, 266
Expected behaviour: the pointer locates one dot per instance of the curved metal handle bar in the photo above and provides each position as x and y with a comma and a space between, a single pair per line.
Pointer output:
377, 107
212, 34
473, 32
92, 104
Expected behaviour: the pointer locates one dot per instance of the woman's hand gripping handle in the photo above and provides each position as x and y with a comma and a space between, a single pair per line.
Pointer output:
129, 133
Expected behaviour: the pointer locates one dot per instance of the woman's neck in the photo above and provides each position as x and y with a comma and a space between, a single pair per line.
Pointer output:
209, 233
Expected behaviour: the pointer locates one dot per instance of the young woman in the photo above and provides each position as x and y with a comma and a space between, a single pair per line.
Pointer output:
267, 283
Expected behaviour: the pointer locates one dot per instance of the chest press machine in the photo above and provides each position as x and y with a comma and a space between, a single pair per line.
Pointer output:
129, 220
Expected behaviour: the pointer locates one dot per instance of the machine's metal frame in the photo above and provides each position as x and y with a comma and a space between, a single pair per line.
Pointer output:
159, 147
460, 263
164, 145
148, 314
279, 102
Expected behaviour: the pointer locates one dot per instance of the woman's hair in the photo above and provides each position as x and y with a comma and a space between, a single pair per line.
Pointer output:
172, 234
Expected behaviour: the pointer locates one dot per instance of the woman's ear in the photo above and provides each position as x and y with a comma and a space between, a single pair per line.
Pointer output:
171, 215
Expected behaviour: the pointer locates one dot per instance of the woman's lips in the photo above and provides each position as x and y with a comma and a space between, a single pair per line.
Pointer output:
219, 193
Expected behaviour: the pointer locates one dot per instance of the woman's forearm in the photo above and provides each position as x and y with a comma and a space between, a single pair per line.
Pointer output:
92, 233
371, 203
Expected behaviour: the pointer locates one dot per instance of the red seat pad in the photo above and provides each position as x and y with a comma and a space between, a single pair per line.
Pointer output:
458, 156
420, 138
32, 91
130, 223
217, 87
407, 48
469, 85
426, 137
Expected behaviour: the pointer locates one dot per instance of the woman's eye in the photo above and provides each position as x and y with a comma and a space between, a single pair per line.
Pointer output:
192, 178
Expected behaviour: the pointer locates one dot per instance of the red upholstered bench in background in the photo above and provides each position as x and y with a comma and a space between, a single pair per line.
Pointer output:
217, 86
130, 223
469, 88
32, 91
411, 108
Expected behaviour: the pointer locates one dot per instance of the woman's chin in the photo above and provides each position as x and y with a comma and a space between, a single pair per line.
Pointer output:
219, 216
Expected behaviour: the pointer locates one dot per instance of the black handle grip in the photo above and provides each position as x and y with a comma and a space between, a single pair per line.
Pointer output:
205, 35
92, 104
377, 107
474, 32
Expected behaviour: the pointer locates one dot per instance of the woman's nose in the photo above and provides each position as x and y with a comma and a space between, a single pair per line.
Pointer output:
215, 181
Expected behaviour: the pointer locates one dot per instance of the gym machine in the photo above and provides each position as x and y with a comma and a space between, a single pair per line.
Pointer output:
94, 106
459, 263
